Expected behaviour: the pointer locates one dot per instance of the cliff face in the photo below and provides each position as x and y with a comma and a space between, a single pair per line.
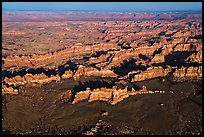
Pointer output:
67, 74
151, 72
43, 79
119, 95
183, 72
158, 58
82, 95
132, 50
37, 61
29, 78
195, 57
9, 90
101, 94
112, 95
91, 71
191, 72
123, 55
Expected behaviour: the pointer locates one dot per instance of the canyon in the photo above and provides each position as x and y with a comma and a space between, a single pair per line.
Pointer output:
73, 59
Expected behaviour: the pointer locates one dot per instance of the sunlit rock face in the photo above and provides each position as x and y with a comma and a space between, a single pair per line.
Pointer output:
82, 95
151, 72
101, 94
9, 90
119, 95
91, 71
191, 72
67, 74
135, 47
112, 95
42, 60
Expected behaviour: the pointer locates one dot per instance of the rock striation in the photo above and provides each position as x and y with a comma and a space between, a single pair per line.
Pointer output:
29, 78
36, 61
112, 95
91, 71
191, 72
9, 90
151, 72
125, 49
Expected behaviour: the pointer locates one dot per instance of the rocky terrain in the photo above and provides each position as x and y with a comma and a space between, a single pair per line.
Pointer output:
55, 60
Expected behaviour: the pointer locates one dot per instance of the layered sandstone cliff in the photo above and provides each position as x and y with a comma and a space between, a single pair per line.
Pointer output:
112, 95
36, 61
29, 78
91, 71
191, 72
9, 90
151, 72
133, 50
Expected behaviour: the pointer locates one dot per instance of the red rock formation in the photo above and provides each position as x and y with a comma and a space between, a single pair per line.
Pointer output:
119, 95
8, 90
101, 94
192, 72
107, 73
67, 74
82, 95
158, 58
91, 71
55, 78
111, 95
29, 78
101, 58
195, 57
151, 72
41, 60
113, 42
182, 47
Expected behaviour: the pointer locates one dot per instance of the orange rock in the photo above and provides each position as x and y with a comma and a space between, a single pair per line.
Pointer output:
151, 72
102, 94
119, 95
67, 74
9, 90
82, 95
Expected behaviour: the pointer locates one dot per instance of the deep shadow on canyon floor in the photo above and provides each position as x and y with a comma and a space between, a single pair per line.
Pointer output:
41, 111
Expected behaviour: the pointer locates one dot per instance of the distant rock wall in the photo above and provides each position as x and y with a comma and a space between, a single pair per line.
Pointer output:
91, 71
151, 72
29, 78
35, 61
183, 72
43, 79
191, 72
